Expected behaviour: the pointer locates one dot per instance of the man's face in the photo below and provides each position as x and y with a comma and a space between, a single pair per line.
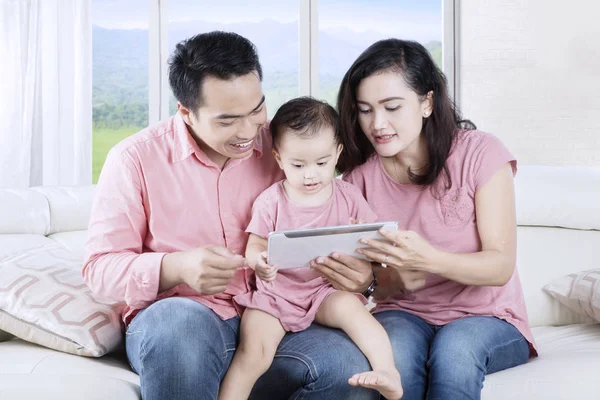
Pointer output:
230, 118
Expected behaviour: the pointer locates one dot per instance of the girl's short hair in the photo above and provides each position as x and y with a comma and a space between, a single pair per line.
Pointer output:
305, 117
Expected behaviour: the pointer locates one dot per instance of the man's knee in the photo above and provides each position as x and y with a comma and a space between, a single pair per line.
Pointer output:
178, 332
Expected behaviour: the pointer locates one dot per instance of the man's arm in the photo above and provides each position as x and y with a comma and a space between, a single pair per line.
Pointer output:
115, 267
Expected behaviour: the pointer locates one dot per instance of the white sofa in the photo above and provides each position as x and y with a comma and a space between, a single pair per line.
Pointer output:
559, 218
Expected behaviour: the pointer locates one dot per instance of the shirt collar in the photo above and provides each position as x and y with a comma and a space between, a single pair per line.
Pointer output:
184, 144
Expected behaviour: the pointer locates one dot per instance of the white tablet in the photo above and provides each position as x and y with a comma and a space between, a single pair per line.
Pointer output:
297, 248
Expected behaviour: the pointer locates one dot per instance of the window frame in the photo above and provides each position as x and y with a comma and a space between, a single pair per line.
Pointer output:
308, 68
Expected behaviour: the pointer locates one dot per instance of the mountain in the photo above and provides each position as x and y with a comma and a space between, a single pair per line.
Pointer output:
120, 64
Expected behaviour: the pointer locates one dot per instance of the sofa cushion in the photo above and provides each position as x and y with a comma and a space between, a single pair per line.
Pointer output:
579, 291
32, 372
72, 241
544, 254
44, 300
558, 196
69, 206
23, 211
26, 370
58, 386
567, 367
21, 357
14, 244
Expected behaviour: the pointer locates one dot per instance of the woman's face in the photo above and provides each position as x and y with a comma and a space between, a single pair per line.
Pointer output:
390, 113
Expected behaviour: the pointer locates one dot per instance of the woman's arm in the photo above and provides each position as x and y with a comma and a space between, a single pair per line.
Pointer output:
496, 223
497, 226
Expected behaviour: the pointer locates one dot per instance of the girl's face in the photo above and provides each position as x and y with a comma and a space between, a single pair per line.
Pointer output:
390, 113
308, 162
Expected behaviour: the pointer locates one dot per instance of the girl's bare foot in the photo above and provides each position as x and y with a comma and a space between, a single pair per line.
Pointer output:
385, 382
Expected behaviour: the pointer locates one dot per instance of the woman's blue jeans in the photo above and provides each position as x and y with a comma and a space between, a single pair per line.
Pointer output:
182, 349
450, 362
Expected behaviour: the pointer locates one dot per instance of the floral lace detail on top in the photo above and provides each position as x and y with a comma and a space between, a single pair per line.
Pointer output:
457, 206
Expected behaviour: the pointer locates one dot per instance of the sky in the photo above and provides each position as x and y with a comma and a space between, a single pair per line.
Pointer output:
420, 19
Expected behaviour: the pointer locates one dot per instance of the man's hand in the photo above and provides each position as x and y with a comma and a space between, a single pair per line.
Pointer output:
207, 270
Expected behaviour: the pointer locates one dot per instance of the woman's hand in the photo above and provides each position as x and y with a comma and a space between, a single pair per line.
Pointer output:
403, 250
392, 281
345, 272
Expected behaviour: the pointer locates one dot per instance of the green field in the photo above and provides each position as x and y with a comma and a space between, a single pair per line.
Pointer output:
103, 139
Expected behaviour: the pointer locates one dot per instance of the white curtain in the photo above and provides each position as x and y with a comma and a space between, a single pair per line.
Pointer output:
45, 92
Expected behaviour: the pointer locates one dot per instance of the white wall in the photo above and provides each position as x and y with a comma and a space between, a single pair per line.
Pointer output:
529, 72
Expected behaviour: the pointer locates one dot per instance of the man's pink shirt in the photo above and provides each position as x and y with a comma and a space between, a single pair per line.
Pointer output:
447, 221
159, 193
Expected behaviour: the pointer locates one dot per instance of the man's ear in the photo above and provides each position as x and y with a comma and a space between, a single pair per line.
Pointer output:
277, 158
185, 113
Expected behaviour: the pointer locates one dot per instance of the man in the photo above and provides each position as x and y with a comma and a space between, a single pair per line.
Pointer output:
167, 235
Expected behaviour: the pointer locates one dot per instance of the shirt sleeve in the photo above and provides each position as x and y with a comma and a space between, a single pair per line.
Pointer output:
360, 209
489, 155
364, 212
262, 222
115, 265
355, 179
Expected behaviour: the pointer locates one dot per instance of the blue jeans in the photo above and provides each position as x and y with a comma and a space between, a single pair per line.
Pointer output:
182, 349
450, 362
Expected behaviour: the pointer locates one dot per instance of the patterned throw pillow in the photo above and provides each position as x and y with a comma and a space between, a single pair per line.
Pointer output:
580, 292
44, 300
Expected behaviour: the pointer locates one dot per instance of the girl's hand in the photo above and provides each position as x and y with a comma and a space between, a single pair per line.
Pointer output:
265, 271
403, 250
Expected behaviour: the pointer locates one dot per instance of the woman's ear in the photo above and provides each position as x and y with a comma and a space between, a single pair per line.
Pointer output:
427, 105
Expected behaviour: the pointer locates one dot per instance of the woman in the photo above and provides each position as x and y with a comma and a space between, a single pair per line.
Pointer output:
450, 297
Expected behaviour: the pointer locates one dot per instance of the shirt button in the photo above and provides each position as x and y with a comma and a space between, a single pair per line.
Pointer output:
225, 214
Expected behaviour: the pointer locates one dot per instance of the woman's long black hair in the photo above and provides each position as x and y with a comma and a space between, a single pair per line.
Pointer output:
414, 63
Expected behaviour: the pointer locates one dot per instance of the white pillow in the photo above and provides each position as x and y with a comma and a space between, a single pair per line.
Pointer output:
580, 292
44, 300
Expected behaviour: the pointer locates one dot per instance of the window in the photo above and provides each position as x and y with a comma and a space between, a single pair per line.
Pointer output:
347, 28
305, 47
272, 25
119, 74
